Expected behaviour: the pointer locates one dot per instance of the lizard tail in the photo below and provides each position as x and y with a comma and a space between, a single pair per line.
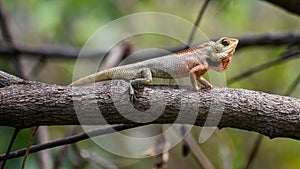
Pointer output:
124, 72
96, 77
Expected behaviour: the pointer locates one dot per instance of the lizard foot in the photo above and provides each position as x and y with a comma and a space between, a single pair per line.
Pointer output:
205, 88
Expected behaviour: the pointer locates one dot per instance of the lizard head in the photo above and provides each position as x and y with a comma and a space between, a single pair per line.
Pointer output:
222, 49
220, 53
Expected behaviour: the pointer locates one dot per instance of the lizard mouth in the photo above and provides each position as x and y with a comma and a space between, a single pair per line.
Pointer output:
233, 44
234, 41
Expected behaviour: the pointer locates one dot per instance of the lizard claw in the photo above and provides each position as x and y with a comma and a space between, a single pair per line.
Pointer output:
132, 93
203, 89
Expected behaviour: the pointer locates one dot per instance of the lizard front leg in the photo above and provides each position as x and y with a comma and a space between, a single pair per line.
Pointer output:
196, 73
146, 77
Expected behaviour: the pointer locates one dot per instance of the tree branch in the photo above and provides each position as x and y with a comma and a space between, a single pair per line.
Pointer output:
69, 140
280, 38
289, 5
33, 104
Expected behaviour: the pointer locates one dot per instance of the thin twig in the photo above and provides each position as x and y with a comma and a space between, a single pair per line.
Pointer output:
274, 39
293, 86
35, 129
9, 38
185, 147
199, 155
12, 140
197, 22
5, 27
116, 55
67, 52
264, 66
254, 151
202, 159
70, 140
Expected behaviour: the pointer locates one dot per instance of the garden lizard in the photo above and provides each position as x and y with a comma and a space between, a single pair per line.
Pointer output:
193, 62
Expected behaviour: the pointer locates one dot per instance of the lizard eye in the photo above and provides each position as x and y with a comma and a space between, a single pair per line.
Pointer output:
225, 42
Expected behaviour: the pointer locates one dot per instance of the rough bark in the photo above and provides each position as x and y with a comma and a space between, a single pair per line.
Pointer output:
27, 103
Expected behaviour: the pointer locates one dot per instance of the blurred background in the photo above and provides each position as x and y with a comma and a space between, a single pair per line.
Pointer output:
51, 33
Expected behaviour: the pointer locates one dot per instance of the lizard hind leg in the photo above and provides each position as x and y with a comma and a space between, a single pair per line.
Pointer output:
144, 78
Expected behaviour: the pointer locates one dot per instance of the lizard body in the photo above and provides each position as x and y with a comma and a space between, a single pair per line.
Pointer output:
192, 62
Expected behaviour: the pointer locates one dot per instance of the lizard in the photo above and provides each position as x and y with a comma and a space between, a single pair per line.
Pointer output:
193, 62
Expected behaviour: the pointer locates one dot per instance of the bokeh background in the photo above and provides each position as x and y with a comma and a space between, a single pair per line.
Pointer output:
68, 24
